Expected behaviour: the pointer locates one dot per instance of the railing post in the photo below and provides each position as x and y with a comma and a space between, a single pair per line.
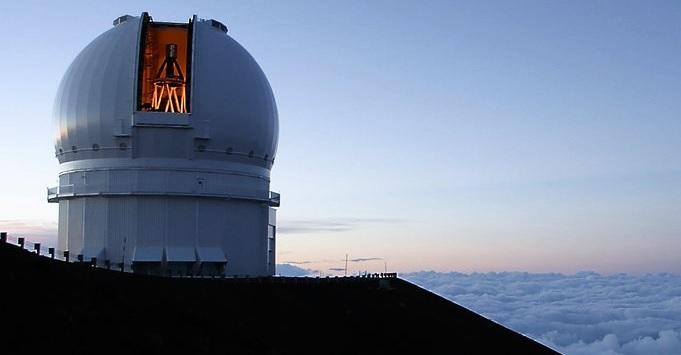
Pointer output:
21, 243
66, 255
51, 251
3, 237
36, 247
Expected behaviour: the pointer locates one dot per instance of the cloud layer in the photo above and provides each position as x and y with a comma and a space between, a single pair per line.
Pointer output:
292, 270
585, 313
327, 225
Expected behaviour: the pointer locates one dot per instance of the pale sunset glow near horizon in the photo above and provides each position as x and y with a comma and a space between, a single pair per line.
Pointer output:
451, 136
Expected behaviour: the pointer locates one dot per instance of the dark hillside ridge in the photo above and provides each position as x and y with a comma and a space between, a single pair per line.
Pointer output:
51, 305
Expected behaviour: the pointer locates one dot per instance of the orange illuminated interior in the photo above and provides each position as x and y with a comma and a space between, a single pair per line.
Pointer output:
164, 67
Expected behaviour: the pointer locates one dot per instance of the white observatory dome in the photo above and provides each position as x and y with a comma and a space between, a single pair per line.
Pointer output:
231, 99
166, 134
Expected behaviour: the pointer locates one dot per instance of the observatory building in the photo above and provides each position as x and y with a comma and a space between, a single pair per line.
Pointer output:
165, 135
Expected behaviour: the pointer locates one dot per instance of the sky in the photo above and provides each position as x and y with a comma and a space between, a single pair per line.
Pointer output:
468, 136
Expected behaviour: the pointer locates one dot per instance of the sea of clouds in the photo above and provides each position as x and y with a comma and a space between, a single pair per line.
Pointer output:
584, 313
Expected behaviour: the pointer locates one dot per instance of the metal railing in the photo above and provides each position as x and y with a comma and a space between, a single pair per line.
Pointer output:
65, 256
61, 190
71, 190
48, 251
275, 199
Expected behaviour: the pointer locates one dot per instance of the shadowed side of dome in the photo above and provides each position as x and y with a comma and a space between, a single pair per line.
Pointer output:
232, 92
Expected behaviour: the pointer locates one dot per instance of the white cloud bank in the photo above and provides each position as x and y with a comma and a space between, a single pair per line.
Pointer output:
585, 313
293, 270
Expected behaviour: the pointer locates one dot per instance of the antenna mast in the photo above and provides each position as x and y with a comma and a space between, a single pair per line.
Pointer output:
346, 264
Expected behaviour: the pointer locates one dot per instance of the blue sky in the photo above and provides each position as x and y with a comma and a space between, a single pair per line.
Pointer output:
469, 136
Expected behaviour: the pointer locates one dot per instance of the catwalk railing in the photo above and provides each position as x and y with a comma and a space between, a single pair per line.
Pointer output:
66, 256
54, 193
